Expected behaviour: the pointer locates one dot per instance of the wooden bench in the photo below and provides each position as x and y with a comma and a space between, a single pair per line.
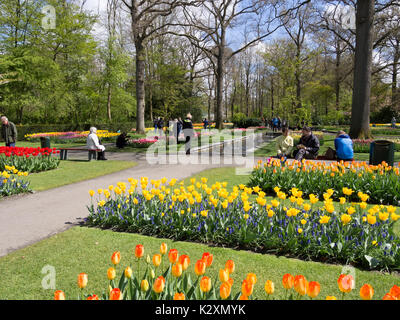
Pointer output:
92, 154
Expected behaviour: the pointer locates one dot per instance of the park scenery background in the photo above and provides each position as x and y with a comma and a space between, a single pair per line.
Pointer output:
125, 229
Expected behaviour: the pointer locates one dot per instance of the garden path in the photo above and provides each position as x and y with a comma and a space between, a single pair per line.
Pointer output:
26, 219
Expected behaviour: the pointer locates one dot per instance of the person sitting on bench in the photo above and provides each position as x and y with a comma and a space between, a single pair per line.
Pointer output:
308, 146
93, 143
284, 144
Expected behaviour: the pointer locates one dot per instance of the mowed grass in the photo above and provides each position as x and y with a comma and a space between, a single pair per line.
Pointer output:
75, 171
81, 249
28, 144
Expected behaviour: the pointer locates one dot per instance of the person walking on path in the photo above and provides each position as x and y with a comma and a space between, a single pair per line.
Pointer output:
93, 143
393, 122
205, 123
308, 146
8, 132
188, 132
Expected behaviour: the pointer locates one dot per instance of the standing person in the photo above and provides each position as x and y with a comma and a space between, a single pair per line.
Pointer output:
308, 146
393, 122
284, 144
160, 125
275, 124
205, 123
188, 132
8, 132
279, 123
155, 122
93, 143
344, 147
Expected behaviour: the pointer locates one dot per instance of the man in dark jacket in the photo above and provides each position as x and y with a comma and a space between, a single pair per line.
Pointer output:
8, 132
188, 132
308, 146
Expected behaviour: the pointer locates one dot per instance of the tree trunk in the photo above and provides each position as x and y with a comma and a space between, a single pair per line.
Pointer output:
297, 77
337, 75
362, 70
109, 102
220, 83
272, 96
396, 61
140, 89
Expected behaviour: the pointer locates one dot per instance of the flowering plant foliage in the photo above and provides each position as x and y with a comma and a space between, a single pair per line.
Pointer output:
12, 182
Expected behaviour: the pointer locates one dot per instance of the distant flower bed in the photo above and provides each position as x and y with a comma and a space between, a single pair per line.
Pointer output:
142, 143
12, 182
29, 159
72, 136
364, 146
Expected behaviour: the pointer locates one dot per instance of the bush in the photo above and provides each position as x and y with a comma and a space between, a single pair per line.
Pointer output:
384, 115
240, 120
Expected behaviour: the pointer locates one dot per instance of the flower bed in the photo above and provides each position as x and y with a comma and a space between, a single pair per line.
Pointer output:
363, 146
142, 143
29, 159
73, 136
212, 214
12, 182
174, 282
381, 182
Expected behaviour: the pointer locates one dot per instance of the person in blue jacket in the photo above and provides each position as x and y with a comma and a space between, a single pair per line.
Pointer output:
344, 147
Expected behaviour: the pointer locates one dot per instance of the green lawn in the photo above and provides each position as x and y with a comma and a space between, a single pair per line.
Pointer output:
89, 250
74, 171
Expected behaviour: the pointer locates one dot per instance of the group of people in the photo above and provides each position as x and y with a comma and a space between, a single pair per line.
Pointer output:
309, 145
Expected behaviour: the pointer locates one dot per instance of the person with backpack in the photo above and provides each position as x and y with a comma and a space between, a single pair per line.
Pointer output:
344, 147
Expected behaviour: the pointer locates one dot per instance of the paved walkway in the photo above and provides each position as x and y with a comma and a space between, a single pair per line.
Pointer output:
27, 219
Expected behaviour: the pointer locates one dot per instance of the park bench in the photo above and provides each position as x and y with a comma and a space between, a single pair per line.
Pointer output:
91, 155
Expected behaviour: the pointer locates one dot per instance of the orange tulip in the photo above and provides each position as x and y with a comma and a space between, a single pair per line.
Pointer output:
288, 281
225, 290
111, 273
300, 285
163, 248
388, 296
366, 292
230, 282
252, 277
157, 260
139, 251
173, 255
93, 297
159, 284
313, 289
115, 294
179, 296
223, 275
207, 258
116, 257
247, 287
395, 292
82, 280
243, 297
345, 283
205, 284
200, 268
177, 270
331, 298
59, 295
230, 266
184, 260
269, 287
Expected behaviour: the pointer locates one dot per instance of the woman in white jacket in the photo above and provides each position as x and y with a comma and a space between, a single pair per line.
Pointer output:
93, 143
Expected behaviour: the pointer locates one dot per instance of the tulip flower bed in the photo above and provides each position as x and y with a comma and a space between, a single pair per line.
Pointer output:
381, 183
29, 159
173, 282
345, 233
72, 136
11, 182
142, 143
